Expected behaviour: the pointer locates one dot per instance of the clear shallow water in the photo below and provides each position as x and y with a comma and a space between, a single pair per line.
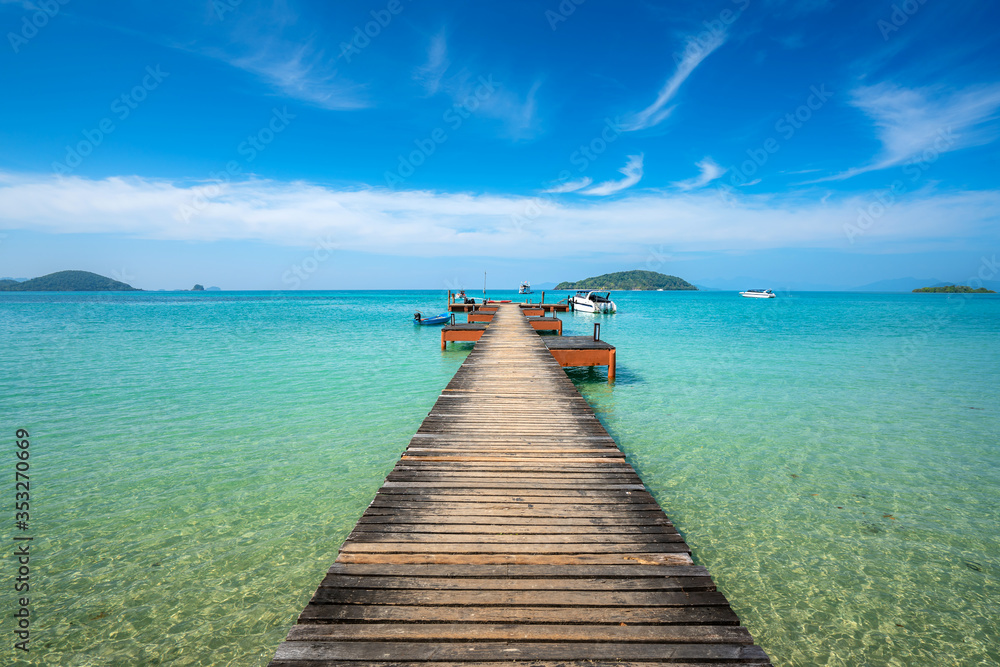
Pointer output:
198, 458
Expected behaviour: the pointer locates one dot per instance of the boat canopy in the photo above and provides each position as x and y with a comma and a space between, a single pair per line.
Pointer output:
597, 297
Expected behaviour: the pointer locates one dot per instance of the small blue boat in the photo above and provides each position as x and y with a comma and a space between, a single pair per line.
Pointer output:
443, 318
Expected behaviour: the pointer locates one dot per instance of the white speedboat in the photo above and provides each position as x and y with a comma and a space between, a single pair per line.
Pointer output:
525, 288
759, 294
593, 302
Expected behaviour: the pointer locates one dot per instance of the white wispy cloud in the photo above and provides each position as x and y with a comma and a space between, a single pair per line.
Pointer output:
286, 52
909, 121
302, 72
632, 172
430, 73
434, 224
490, 96
709, 172
658, 111
570, 186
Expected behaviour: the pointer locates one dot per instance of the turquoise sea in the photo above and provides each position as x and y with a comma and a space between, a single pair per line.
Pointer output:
197, 458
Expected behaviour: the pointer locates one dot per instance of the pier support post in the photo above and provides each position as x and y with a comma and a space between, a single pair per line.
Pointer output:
611, 367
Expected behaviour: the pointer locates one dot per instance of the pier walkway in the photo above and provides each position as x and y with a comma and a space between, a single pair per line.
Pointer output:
513, 531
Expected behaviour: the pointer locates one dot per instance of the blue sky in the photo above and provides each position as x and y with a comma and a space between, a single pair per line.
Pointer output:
405, 144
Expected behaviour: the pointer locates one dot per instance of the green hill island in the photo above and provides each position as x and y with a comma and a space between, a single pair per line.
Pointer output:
67, 281
955, 289
630, 280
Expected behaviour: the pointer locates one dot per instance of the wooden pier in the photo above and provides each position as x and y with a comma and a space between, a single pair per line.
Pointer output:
470, 307
536, 318
512, 531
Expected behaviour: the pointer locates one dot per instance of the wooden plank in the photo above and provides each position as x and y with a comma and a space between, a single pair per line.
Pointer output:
478, 651
524, 530
329, 613
511, 538
519, 559
388, 632
520, 598
500, 519
516, 547
521, 571
560, 584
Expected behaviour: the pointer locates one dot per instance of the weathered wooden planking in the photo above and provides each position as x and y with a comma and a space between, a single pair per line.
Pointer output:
703, 583
477, 651
718, 615
512, 531
382, 632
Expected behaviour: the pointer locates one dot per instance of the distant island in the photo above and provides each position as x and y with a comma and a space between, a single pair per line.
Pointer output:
630, 280
67, 281
955, 289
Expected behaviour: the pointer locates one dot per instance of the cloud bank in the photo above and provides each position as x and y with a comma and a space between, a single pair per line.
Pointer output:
429, 224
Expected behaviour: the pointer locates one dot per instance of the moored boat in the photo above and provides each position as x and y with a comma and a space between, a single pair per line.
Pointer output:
443, 318
593, 302
525, 288
759, 294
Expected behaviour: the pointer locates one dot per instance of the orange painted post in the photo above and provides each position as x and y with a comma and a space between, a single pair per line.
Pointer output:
611, 367
444, 344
